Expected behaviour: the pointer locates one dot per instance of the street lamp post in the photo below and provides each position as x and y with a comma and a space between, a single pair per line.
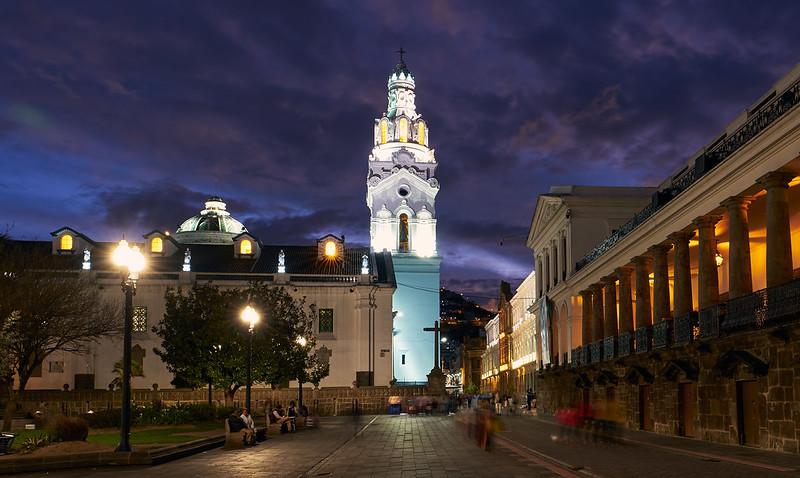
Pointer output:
130, 258
249, 314
302, 342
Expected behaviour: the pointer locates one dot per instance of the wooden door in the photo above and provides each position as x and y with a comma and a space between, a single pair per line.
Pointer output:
686, 400
747, 411
645, 420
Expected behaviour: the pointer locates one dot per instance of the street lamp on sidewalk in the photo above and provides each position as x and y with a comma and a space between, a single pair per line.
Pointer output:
131, 262
302, 342
249, 314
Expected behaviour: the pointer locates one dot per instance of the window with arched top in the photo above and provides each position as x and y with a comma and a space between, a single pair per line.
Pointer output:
246, 247
330, 249
421, 133
66, 242
157, 245
403, 133
384, 131
402, 245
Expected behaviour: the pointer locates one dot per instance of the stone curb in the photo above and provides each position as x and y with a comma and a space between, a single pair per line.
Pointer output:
158, 456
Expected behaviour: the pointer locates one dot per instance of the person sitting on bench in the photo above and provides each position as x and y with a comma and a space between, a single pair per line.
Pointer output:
236, 424
280, 418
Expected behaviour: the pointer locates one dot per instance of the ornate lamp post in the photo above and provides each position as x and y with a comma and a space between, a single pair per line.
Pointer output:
302, 342
129, 258
249, 314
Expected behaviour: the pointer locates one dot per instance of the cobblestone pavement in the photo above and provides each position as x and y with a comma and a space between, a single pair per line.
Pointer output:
437, 446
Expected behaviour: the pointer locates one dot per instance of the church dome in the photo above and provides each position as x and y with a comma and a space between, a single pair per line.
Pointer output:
401, 75
213, 225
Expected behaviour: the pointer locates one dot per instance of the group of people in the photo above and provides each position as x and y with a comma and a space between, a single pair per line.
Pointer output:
590, 422
284, 418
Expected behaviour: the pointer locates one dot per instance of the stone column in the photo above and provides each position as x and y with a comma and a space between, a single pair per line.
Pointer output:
539, 274
598, 323
644, 311
779, 233
554, 248
625, 299
682, 272
586, 338
547, 271
610, 305
660, 282
740, 275
707, 275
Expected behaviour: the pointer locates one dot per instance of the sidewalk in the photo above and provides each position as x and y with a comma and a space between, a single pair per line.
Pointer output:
641, 452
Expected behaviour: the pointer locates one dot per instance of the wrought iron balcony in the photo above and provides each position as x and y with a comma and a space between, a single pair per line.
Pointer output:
643, 339
625, 346
662, 332
710, 319
763, 308
597, 350
763, 117
686, 328
609, 348
586, 354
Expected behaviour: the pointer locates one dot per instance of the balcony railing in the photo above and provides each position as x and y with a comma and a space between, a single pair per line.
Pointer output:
763, 308
685, 328
662, 333
763, 117
625, 346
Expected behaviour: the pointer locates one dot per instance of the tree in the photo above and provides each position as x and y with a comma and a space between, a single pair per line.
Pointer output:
136, 371
45, 308
205, 341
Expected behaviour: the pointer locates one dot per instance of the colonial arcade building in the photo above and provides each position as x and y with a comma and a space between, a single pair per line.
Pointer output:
688, 311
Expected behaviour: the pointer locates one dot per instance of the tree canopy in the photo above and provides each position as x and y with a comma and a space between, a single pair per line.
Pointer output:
44, 308
204, 339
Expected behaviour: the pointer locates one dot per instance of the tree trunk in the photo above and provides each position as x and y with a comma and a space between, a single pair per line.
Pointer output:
229, 393
11, 405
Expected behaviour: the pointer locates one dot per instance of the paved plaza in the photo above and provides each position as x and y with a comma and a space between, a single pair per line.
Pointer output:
434, 446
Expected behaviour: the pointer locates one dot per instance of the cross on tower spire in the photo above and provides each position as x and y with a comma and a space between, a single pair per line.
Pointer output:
401, 52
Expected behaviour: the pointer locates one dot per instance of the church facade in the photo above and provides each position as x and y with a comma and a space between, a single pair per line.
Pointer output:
401, 193
371, 303
350, 287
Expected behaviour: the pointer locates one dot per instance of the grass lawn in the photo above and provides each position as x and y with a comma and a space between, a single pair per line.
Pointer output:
25, 434
161, 435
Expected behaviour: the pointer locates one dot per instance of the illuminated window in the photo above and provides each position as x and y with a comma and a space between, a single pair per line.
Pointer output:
57, 366
156, 245
66, 242
421, 135
140, 319
326, 321
403, 125
384, 128
330, 249
403, 234
246, 247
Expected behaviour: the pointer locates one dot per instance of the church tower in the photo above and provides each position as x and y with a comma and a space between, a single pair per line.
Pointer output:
401, 195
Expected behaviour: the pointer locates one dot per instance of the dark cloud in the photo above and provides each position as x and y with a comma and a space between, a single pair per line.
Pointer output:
121, 118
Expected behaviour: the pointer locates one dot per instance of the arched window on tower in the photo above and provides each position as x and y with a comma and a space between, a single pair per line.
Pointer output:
330, 249
157, 245
421, 133
246, 247
66, 242
403, 234
403, 133
384, 131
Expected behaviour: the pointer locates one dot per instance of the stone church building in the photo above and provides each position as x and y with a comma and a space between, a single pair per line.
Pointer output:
371, 303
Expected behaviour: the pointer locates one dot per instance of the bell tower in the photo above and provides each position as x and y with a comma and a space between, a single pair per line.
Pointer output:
401, 195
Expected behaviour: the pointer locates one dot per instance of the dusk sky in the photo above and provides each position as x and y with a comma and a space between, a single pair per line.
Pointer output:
124, 117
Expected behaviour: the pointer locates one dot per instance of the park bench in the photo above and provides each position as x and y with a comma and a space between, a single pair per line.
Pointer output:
236, 439
6, 439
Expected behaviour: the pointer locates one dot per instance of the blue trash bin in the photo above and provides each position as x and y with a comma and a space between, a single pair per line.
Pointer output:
394, 409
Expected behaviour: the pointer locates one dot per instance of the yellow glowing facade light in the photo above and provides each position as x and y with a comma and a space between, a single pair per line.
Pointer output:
157, 245
66, 242
421, 133
246, 247
384, 131
330, 249
403, 127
